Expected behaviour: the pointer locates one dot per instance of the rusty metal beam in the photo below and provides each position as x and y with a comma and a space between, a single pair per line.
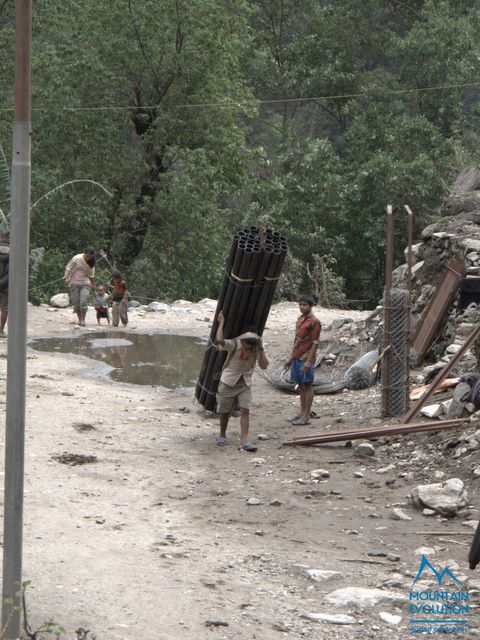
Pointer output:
441, 375
375, 432
409, 268
438, 305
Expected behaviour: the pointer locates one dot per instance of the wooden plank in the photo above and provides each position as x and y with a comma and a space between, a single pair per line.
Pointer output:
417, 393
437, 307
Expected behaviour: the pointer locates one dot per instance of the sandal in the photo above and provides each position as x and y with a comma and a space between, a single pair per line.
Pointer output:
248, 446
314, 415
300, 421
294, 418
221, 441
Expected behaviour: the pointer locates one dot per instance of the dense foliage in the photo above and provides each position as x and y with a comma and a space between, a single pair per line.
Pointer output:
199, 117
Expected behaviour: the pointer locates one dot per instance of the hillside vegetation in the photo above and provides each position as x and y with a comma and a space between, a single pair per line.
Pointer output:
200, 117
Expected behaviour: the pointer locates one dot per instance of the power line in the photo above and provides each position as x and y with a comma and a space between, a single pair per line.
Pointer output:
254, 102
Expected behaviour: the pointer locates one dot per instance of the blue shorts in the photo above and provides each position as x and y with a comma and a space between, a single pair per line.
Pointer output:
298, 375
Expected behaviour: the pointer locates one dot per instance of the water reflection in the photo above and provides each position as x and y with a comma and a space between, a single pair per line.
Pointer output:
165, 360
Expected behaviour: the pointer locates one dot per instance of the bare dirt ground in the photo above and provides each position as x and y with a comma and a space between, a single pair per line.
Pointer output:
155, 539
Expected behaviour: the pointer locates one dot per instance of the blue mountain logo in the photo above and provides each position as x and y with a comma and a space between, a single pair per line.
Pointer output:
425, 564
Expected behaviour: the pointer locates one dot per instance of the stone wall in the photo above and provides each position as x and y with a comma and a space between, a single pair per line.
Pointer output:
457, 232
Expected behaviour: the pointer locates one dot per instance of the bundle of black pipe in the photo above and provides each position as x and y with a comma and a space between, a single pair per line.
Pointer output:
252, 270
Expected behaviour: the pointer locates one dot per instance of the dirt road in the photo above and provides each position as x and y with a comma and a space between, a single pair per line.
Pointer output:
157, 536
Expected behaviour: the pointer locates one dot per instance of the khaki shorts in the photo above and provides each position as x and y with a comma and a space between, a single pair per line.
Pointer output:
232, 398
79, 296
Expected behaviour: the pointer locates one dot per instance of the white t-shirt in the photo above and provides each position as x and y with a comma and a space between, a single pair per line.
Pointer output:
240, 364
78, 271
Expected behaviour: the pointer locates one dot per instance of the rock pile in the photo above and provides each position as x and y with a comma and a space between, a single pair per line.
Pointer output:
455, 233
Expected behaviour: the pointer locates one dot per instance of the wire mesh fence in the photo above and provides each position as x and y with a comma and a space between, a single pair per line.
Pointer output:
395, 369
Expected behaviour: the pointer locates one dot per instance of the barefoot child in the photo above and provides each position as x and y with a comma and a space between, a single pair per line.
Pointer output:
119, 297
100, 303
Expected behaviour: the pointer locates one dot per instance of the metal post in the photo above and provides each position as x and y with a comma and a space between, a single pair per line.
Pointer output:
17, 325
387, 309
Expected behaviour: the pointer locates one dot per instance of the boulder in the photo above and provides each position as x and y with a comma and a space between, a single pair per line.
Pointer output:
470, 244
467, 180
159, 306
60, 301
461, 396
446, 498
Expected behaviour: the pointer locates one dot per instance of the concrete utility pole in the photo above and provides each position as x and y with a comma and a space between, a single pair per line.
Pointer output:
17, 324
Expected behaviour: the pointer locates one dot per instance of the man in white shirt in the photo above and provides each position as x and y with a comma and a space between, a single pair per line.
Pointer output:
80, 276
235, 387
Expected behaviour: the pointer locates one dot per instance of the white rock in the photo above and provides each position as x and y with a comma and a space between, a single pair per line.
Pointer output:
446, 498
395, 580
390, 618
319, 473
471, 244
385, 469
322, 575
453, 348
159, 306
60, 300
398, 514
253, 501
417, 267
182, 303
363, 597
332, 618
439, 475
365, 449
432, 410
208, 302
425, 551
428, 512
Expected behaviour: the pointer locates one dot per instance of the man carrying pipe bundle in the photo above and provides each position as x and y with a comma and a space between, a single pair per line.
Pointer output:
302, 360
235, 387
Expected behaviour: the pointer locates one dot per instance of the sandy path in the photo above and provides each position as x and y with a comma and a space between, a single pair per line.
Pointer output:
155, 540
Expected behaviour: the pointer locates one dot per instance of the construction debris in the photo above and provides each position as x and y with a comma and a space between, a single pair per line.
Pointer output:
441, 375
416, 393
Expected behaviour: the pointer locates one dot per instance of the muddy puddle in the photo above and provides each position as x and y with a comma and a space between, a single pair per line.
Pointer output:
170, 361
